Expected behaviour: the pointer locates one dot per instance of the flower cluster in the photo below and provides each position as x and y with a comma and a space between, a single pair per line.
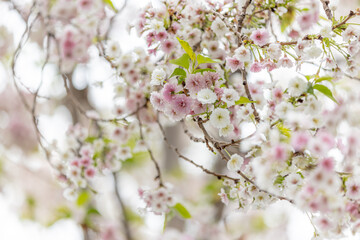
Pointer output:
158, 201
88, 157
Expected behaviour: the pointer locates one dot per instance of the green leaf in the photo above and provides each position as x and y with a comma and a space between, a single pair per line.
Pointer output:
283, 130
111, 5
83, 198
309, 77
201, 70
243, 100
325, 90
182, 210
287, 18
279, 180
183, 61
325, 78
93, 211
178, 72
90, 139
327, 42
202, 59
186, 46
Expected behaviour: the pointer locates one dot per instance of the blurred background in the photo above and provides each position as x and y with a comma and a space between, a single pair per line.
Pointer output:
32, 205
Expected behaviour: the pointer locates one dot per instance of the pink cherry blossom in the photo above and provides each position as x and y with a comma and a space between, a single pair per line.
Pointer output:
195, 82
260, 37
256, 67
234, 64
300, 140
181, 104
169, 91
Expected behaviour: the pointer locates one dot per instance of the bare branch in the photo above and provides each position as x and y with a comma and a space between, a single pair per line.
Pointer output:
327, 10
243, 15
157, 167
125, 218
248, 94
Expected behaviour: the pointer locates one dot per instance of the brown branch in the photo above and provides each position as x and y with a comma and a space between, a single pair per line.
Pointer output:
191, 137
157, 167
85, 230
247, 179
307, 37
176, 150
233, 28
243, 15
235, 142
248, 94
262, 190
83, 111
208, 138
351, 15
33, 110
219, 176
125, 218
327, 10
23, 40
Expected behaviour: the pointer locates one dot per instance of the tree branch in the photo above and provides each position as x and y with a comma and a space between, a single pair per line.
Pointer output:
123, 210
243, 15
327, 10
248, 94
219, 176
157, 167
351, 15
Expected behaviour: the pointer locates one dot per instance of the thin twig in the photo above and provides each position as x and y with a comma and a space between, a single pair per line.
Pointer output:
157, 167
351, 15
125, 218
219, 176
176, 150
191, 137
248, 94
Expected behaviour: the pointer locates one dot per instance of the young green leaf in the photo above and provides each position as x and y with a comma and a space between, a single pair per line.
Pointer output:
111, 5
202, 59
309, 77
279, 180
243, 100
186, 46
183, 61
283, 130
325, 90
83, 198
93, 211
178, 72
325, 78
204, 70
182, 210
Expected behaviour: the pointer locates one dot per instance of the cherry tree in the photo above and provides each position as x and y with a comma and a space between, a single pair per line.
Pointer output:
229, 107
